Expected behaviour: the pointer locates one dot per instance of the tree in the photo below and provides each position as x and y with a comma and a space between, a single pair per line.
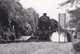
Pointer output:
73, 2
75, 13
11, 11
14, 17
75, 19
75, 22
33, 17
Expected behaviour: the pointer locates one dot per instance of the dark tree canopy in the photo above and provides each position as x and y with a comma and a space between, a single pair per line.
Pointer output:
12, 13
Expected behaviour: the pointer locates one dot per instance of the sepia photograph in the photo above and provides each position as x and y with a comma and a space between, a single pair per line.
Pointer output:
39, 27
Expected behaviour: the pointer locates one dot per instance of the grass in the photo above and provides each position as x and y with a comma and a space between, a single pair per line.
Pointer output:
35, 48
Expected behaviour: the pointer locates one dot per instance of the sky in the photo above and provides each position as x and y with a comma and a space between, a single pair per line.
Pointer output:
44, 6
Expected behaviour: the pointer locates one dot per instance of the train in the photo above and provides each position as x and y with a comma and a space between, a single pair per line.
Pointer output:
45, 27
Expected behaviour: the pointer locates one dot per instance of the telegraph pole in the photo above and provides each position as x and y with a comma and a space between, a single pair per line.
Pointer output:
59, 27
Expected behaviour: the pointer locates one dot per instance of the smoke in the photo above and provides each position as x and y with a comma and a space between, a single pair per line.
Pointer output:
55, 37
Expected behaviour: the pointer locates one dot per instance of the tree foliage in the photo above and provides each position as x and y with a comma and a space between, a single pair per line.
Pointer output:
76, 21
12, 11
73, 2
75, 13
33, 17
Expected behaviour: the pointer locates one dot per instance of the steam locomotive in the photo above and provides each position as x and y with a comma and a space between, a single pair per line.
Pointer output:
45, 27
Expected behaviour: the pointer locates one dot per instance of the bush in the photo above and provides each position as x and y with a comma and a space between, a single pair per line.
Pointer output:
76, 46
